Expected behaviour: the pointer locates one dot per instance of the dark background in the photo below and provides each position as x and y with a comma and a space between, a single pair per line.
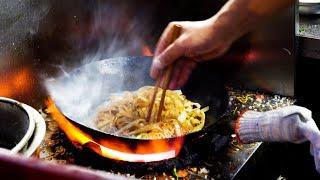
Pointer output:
55, 36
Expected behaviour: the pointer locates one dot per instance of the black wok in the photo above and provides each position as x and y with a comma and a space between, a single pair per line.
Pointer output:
79, 93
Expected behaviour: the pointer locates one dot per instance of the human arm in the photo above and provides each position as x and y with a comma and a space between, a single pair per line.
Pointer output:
209, 39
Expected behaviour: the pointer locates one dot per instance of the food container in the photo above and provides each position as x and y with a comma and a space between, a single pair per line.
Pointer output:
21, 127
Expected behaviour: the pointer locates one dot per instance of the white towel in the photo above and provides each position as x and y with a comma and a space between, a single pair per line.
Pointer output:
287, 124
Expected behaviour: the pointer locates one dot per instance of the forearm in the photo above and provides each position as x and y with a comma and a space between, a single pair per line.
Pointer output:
240, 16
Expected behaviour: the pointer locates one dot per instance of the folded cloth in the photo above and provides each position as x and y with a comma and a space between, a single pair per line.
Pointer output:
286, 124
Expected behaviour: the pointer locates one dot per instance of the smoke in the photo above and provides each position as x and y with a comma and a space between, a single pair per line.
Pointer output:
79, 93
115, 30
20, 19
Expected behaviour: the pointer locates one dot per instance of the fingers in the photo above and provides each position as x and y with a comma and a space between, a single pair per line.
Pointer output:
154, 70
176, 74
185, 73
172, 53
213, 54
182, 72
195, 42
166, 51
167, 57
165, 38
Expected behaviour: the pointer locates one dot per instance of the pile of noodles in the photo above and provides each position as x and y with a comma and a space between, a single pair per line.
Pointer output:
125, 115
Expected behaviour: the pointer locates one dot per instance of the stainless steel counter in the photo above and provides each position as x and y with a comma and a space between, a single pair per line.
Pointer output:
309, 36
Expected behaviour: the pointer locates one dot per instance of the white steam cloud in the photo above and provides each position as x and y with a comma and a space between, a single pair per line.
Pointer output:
117, 32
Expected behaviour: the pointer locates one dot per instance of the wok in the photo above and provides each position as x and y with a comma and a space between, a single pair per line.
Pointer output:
79, 93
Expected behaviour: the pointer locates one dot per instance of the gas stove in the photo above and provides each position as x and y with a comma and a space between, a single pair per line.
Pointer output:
218, 156
62, 35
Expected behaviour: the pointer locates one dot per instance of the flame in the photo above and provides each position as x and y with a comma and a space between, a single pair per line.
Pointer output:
16, 83
251, 57
146, 51
143, 151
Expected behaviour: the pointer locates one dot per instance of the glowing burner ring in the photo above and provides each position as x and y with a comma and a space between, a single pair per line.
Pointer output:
130, 157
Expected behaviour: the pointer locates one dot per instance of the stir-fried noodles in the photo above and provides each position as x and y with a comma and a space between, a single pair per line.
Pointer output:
125, 115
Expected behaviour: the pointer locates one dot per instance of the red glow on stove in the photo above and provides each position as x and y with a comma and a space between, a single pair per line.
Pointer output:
145, 151
73, 133
251, 57
130, 157
16, 82
146, 51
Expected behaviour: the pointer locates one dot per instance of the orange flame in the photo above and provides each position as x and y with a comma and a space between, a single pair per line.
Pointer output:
16, 83
143, 151
146, 51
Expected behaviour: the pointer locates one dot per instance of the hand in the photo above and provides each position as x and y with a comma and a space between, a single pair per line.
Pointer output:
287, 124
199, 41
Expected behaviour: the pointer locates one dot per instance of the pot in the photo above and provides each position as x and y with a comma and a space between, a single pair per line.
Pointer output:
22, 128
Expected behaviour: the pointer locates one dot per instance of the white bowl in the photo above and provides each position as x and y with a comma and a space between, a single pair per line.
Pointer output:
38, 134
22, 128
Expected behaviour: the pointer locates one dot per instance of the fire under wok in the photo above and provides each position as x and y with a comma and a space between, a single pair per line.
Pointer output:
78, 94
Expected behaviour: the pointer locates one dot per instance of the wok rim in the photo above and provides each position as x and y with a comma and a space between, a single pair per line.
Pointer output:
102, 133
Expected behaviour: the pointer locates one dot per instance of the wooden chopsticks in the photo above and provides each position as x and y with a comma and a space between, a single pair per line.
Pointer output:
163, 80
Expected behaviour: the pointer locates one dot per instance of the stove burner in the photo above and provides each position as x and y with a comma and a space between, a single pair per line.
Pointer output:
193, 153
216, 155
188, 156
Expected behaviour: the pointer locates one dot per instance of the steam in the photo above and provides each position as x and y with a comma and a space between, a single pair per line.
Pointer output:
78, 93
18, 20
116, 31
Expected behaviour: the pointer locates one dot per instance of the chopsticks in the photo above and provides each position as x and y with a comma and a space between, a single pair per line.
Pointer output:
163, 80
